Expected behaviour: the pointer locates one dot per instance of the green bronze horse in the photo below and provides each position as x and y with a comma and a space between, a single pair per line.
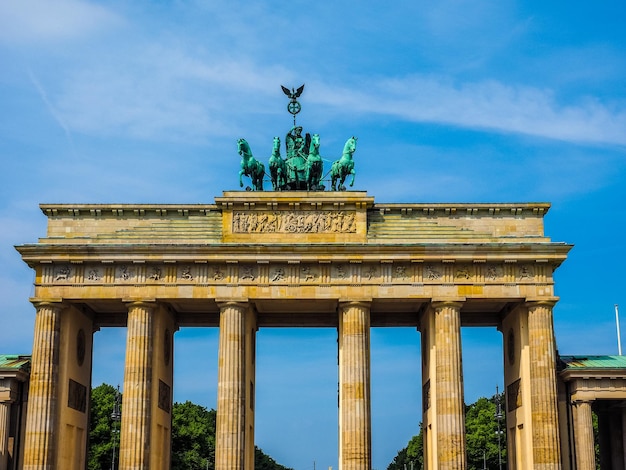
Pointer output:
314, 165
344, 166
278, 167
250, 166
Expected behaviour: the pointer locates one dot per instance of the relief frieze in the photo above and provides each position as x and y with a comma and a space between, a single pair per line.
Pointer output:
463, 272
493, 273
155, 273
247, 273
63, 273
400, 272
432, 273
308, 274
278, 274
340, 269
218, 273
125, 273
185, 273
526, 272
370, 273
338, 272
294, 222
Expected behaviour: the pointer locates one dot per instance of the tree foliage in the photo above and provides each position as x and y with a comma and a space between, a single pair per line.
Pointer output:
411, 457
265, 462
193, 436
481, 432
102, 429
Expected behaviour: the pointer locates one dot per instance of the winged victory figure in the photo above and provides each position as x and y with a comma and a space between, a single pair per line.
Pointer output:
292, 94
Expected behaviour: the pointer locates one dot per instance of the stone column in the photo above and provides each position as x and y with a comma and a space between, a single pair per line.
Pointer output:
135, 426
5, 422
231, 391
39, 440
543, 399
355, 447
448, 390
583, 436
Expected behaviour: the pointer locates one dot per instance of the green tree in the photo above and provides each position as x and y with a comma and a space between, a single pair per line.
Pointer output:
102, 429
481, 432
265, 462
193, 437
411, 457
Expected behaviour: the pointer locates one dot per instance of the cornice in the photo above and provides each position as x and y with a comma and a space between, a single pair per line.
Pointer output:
273, 199
492, 209
117, 210
595, 374
540, 252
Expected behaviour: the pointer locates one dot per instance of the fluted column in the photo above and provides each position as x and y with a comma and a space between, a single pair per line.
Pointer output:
135, 426
39, 440
542, 353
355, 448
583, 436
449, 387
5, 414
231, 392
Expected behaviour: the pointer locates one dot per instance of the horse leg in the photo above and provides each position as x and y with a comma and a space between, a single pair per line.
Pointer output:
353, 173
282, 178
241, 173
307, 177
261, 175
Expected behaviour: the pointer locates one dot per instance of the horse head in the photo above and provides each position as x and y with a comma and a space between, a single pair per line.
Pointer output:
350, 147
276, 147
314, 149
243, 147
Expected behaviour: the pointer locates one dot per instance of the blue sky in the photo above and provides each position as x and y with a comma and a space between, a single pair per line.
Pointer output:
461, 101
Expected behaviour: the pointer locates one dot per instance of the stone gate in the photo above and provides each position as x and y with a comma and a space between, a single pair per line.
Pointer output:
259, 259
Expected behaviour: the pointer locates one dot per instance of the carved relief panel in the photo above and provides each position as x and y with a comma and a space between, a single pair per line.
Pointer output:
294, 222
266, 272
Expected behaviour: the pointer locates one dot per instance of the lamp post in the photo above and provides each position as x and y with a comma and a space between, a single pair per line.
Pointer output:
116, 416
499, 416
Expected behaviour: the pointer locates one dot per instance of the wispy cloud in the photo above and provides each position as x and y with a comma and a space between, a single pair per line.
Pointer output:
36, 21
487, 104
51, 109
170, 94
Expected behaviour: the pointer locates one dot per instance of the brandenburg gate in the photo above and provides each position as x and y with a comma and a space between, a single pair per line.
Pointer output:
289, 258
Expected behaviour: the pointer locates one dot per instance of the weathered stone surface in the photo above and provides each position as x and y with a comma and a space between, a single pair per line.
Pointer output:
296, 259
40, 448
355, 451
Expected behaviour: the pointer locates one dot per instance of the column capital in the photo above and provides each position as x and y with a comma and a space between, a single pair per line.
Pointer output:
541, 302
442, 303
578, 402
365, 303
234, 303
150, 303
52, 303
